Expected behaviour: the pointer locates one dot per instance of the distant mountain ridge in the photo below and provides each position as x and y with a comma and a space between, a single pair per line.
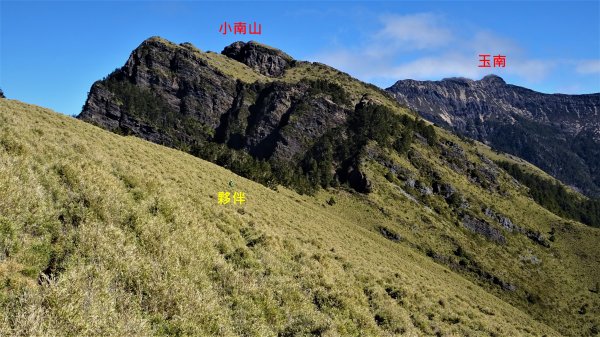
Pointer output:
556, 132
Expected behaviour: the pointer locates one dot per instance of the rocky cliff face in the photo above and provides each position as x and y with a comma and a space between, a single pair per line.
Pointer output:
559, 133
159, 76
265, 60
173, 95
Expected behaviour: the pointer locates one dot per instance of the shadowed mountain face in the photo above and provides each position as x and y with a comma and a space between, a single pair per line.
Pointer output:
170, 95
558, 133
177, 96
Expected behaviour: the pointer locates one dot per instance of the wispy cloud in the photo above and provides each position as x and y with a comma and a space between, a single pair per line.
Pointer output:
424, 46
588, 67
446, 65
417, 31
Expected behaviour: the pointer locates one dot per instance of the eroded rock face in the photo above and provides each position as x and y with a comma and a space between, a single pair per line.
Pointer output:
389, 234
285, 119
507, 224
169, 94
184, 90
558, 133
482, 227
160, 81
502, 220
266, 60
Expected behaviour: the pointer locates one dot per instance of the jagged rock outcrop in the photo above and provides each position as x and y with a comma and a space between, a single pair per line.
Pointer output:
172, 95
159, 80
558, 133
266, 60
482, 227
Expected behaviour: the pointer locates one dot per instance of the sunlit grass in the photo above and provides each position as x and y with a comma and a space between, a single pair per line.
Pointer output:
111, 235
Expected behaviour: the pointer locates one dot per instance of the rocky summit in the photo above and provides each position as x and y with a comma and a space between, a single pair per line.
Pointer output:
558, 133
265, 60
177, 96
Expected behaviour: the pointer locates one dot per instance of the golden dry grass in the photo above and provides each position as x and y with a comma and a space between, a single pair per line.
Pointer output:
138, 245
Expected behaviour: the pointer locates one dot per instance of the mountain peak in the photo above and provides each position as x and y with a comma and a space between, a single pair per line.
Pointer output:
545, 129
266, 60
492, 80
459, 80
164, 44
154, 40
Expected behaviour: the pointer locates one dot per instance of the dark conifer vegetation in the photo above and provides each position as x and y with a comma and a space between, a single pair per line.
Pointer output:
556, 197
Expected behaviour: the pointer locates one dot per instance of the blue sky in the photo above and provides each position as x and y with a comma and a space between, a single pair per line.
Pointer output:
51, 52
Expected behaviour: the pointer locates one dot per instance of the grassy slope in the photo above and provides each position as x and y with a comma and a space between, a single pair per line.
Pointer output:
139, 246
560, 283
559, 286
275, 245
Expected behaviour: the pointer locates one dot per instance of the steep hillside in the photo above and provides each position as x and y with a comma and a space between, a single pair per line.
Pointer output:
404, 228
112, 235
558, 133
305, 125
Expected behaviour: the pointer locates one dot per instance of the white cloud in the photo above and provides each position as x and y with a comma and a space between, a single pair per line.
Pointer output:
447, 65
417, 31
588, 67
458, 65
422, 46
484, 42
531, 70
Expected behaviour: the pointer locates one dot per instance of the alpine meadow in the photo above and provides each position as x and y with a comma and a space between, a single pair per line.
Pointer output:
360, 219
